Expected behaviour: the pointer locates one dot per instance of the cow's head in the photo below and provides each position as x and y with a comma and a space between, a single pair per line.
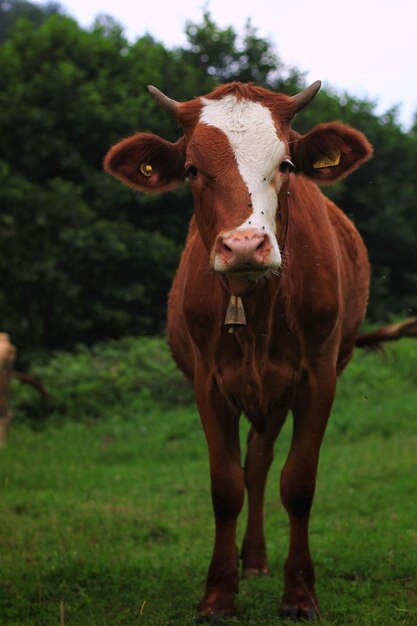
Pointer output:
238, 151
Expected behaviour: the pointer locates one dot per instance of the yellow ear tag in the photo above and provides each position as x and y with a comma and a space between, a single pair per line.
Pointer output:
327, 162
146, 169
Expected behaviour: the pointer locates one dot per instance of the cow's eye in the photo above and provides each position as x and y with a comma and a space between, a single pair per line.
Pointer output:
286, 166
191, 171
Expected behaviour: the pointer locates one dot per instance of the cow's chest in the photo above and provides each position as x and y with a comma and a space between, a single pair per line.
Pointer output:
257, 385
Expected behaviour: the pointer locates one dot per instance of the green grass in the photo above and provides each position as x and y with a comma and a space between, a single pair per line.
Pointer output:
111, 519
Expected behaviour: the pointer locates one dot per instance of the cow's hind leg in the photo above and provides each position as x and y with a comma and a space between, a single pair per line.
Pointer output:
259, 458
298, 478
221, 428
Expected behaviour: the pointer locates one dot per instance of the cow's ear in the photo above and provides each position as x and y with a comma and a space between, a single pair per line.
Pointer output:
147, 163
329, 151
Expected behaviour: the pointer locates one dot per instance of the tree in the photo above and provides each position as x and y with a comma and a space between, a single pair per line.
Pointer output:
84, 258
13, 10
222, 56
81, 257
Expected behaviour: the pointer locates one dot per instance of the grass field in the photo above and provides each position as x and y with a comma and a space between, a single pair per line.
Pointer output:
108, 522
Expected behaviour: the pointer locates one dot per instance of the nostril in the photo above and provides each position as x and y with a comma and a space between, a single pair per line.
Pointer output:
224, 250
261, 244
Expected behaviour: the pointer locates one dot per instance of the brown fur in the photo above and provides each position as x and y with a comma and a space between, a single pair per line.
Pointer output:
7, 359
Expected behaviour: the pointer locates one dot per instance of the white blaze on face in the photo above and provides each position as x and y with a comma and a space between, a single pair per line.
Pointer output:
251, 132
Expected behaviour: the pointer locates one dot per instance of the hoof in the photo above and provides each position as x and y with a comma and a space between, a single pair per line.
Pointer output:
298, 614
248, 572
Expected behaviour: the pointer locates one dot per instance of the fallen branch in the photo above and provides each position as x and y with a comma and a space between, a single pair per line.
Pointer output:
34, 382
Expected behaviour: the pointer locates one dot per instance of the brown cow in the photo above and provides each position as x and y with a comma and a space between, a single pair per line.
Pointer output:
265, 307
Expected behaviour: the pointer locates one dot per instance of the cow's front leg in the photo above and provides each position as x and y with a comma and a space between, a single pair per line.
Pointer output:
259, 457
298, 478
221, 426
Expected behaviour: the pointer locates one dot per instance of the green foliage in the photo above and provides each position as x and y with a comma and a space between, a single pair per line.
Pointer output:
83, 281
359, 393
119, 377
111, 519
222, 56
13, 10
84, 258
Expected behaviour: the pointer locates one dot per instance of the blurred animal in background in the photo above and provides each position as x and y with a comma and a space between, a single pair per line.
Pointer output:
7, 373
7, 359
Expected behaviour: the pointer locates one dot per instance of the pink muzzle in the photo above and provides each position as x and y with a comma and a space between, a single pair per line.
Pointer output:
242, 250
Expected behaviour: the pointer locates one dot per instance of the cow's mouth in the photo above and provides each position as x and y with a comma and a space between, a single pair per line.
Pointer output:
241, 281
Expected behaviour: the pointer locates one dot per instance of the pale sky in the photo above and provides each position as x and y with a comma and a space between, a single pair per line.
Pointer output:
365, 47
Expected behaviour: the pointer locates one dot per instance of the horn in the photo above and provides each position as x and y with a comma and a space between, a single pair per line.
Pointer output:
300, 100
169, 105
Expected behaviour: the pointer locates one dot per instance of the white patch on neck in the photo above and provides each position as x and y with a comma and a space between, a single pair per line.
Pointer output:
251, 132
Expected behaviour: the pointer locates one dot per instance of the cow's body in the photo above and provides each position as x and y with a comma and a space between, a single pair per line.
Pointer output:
301, 270
316, 303
301, 331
